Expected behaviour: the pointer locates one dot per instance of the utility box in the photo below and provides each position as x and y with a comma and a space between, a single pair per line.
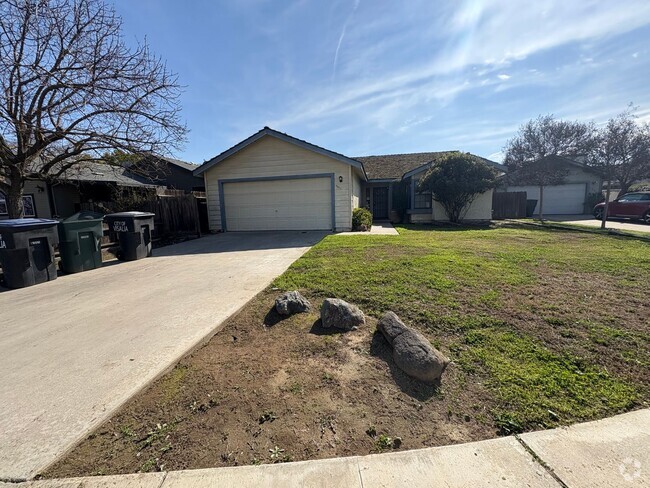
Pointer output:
27, 251
80, 242
133, 230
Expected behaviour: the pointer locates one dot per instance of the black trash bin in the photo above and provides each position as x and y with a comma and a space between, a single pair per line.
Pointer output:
27, 251
80, 242
133, 230
530, 207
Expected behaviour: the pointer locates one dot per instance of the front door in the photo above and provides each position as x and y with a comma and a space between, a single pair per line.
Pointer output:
380, 203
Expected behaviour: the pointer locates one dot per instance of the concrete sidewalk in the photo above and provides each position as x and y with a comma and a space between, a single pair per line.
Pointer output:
377, 229
75, 349
609, 453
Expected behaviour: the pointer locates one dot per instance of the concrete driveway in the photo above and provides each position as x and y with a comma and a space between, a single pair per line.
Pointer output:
75, 349
590, 221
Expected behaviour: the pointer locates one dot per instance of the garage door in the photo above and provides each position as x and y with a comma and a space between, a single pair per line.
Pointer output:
292, 204
559, 200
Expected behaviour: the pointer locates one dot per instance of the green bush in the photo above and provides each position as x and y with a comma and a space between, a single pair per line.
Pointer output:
361, 219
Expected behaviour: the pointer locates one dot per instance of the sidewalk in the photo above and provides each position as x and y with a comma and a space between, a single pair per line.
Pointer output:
377, 229
614, 452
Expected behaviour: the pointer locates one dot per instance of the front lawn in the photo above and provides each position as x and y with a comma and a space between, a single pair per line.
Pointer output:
544, 327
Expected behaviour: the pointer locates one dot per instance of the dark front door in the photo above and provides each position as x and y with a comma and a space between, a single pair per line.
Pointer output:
380, 203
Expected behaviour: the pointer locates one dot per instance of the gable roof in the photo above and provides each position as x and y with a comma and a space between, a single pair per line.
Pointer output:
267, 131
396, 166
179, 163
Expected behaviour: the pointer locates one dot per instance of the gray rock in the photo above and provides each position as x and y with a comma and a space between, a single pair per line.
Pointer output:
391, 326
412, 352
340, 314
291, 302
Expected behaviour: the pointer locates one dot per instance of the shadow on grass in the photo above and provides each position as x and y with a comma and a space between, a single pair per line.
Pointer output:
380, 348
318, 329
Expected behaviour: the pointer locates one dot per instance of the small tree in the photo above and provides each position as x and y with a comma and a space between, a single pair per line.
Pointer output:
529, 155
456, 180
71, 89
622, 153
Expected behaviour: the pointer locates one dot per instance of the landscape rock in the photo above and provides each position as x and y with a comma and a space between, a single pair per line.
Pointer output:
391, 326
291, 302
341, 314
412, 352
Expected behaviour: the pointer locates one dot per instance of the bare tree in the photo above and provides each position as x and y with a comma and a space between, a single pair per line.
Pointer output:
547, 136
529, 155
622, 153
71, 89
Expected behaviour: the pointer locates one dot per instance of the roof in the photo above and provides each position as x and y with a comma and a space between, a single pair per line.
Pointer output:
267, 131
105, 173
395, 166
179, 163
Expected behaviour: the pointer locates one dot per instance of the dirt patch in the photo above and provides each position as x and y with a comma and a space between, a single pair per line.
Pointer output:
291, 391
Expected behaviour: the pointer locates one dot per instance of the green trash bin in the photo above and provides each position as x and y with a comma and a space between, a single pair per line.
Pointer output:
80, 242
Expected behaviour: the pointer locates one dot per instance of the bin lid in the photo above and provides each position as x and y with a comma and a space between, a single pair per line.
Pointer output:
26, 224
133, 215
84, 216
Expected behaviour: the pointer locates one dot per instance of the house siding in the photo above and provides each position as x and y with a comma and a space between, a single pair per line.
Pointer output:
271, 157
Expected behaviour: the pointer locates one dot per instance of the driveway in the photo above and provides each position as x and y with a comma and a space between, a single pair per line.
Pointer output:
589, 221
75, 349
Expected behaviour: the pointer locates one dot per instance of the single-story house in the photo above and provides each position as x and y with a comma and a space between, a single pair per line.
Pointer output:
95, 182
273, 181
569, 198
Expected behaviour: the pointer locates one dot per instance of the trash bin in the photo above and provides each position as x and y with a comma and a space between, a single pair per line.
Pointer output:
133, 230
80, 242
27, 251
530, 207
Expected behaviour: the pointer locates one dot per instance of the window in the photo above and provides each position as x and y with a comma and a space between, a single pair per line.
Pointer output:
423, 199
3, 204
631, 197
29, 209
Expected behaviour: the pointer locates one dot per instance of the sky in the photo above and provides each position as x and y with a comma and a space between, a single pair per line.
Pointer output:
364, 77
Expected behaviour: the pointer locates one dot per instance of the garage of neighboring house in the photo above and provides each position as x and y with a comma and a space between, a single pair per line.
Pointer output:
272, 181
570, 198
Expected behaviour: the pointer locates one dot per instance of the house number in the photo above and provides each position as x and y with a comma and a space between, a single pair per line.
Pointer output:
120, 226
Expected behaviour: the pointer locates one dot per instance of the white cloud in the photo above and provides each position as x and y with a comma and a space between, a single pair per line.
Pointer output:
503, 77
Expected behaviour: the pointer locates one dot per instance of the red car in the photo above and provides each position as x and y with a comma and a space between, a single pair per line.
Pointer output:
634, 205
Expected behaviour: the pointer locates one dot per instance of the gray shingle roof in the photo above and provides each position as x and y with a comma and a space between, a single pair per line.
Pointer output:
100, 172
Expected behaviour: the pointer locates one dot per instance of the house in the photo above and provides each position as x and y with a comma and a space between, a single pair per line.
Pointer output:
570, 198
273, 181
170, 173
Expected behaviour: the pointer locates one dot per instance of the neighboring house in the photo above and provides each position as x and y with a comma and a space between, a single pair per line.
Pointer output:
273, 181
173, 174
569, 198
96, 182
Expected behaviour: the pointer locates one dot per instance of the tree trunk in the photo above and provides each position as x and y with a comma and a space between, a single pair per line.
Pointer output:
15, 200
541, 203
603, 222
624, 188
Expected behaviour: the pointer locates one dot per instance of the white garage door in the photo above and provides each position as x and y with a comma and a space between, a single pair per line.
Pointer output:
296, 204
559, 200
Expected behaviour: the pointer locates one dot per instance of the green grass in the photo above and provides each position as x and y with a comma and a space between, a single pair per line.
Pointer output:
503, 304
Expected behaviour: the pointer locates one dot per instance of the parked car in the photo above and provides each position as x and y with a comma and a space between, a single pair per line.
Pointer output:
634, 205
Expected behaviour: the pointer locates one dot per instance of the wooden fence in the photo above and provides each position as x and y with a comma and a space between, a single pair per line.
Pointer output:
176, 212
508, 205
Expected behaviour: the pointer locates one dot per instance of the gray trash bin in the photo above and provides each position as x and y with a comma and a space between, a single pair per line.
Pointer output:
27, 251
133, 230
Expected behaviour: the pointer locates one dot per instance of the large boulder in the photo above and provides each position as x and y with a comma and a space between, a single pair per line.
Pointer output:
412, 352
340, 314
391, 326
291, 302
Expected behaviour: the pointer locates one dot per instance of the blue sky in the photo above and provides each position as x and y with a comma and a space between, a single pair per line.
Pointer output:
365, 77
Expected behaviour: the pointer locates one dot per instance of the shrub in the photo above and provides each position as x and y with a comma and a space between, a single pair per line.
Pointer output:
361, 219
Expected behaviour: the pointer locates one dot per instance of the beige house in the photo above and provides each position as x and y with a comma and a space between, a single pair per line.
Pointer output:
273, 181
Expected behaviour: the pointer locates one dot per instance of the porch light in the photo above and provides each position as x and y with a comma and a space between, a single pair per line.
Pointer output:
340, 179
